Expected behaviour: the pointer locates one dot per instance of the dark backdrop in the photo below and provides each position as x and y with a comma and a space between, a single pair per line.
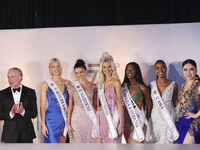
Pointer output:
17, 14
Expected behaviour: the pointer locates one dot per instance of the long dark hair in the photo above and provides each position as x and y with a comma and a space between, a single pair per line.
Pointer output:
138, 74
80, 64
192, 62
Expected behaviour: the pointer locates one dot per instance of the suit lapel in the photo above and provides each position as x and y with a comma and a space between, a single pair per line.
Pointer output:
10, 95
10, 99
23, 94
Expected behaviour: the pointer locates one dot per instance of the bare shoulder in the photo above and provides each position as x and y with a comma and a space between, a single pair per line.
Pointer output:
175, 86
44, 86
143, 88
91, 85
116, 82
169, 81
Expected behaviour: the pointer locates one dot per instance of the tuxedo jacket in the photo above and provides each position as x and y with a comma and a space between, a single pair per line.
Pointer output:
19, 126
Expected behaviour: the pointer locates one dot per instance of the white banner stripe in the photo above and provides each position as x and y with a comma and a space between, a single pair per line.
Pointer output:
131, 108
112, 128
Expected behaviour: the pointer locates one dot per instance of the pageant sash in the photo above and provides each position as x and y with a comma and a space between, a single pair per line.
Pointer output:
172, 128
88, 108
112, 124
134, 113
61, 100
131, 106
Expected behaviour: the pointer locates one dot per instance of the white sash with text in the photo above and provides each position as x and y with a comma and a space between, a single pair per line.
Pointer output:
112, 122
134, 113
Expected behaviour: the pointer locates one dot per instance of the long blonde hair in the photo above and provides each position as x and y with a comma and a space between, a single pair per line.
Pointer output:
104, 58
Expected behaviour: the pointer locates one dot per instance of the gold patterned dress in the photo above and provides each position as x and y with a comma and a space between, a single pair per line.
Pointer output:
189, 102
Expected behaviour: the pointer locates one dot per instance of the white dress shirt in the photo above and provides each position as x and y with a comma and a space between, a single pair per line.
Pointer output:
16, 97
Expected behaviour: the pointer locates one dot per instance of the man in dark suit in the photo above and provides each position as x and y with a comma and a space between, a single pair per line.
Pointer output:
17, 107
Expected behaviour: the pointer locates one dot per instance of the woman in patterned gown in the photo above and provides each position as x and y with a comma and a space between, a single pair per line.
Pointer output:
168, 90
51, 116
189, 98
79, 124
140, 95
113, 96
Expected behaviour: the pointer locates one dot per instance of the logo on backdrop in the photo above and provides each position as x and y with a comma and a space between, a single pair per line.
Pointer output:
93, 69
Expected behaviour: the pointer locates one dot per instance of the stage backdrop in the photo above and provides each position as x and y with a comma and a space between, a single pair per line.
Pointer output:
32, 49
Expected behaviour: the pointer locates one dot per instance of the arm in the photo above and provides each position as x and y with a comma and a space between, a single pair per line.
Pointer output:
69, 113
118, 90
175, 95
43, 107
31, 111
127, 125
7, 111
3, 115
95, 99
199, 99
192, 115
147, 99
98, 100
198, 113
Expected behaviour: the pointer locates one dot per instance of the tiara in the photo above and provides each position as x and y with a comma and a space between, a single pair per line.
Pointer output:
105, 56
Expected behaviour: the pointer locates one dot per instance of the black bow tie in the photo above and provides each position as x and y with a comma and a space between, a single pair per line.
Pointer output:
16, 89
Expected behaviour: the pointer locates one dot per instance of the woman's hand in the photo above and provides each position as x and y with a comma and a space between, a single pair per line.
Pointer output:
45, 131
120, 129
70, 130
190, 115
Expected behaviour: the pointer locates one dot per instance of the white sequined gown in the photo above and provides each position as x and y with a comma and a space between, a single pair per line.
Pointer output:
159, 126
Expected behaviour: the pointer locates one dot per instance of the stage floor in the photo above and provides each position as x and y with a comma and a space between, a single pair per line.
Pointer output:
42, 146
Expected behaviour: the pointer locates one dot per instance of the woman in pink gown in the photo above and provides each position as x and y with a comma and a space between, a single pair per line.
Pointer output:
113, 95
79, 124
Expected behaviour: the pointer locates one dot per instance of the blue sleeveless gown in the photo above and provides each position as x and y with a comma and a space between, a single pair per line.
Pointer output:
53, 117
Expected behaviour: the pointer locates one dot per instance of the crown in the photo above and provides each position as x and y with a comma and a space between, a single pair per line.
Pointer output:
105, 56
